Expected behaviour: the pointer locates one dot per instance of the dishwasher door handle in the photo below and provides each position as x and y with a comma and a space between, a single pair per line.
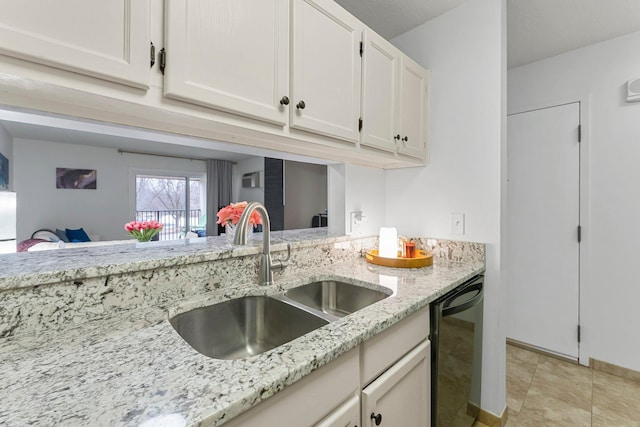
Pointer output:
475, 285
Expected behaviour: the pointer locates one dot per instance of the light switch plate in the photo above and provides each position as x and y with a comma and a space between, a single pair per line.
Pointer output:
456, 223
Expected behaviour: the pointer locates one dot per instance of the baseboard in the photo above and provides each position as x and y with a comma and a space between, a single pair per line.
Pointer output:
541, 351
610, 368
595, 364
485, 417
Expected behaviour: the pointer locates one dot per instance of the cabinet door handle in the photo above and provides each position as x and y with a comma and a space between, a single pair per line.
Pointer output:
397, 137
377, 418
284, 100
405, 139
301, 105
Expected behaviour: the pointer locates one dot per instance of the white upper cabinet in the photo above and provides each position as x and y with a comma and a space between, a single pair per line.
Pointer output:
104, 39
413, 109
380, 92
231, 55
326, 69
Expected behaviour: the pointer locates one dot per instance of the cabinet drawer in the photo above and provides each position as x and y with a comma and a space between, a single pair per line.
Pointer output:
389, 346
309, 400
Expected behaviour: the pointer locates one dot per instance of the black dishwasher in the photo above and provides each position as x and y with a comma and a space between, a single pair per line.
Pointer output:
456, 354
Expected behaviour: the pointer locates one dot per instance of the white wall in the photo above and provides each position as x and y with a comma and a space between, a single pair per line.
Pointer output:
6, 149
239, 194
609, 290
464, 49
364, 191
305, 193
103, 211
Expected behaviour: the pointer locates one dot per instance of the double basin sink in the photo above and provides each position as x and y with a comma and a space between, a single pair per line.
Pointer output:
251, 325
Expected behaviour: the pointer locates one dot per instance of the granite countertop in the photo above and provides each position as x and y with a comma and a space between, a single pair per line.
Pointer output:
135, 370
51, 266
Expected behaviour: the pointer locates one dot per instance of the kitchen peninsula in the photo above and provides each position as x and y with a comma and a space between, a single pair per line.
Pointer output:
86, 338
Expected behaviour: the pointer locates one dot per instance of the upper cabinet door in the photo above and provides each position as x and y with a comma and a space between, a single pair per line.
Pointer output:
231, 55
380, 90
414, 84
326, 69
103, 39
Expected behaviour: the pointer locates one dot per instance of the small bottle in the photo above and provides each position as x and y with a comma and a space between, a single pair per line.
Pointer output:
410, 249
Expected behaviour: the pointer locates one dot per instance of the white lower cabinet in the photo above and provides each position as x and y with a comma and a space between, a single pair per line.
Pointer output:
385, 381
347, 415
309, 400
400, 396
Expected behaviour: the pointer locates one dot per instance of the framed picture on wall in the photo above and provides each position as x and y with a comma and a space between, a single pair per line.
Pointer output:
78, 179
4, 173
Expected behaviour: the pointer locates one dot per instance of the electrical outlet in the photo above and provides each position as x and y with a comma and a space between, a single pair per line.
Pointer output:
456, 223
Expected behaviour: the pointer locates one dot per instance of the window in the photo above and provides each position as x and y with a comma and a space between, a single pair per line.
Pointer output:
178, 202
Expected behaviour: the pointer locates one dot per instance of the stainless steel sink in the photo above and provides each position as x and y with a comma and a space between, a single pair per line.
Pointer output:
335, 298
244, 326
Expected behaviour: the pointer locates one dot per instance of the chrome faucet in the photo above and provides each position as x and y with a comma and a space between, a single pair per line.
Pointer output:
265, 275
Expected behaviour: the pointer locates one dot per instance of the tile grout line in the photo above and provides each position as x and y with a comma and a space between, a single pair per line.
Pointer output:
535, 371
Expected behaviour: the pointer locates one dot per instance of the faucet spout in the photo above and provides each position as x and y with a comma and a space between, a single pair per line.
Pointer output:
265, 275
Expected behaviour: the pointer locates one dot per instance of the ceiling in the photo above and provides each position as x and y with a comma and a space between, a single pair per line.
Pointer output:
536, 29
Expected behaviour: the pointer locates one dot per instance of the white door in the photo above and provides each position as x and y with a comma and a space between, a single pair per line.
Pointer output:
231, 55
380, 93
326, 67
402, 395
413, 109
542, 228
104, 39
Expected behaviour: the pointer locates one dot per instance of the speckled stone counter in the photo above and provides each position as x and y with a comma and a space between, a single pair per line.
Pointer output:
43, 267
127, 366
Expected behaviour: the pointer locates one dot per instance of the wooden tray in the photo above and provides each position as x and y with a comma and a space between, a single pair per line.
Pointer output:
422, 259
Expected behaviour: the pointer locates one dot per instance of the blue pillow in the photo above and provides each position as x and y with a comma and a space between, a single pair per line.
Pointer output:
78, 235
62, 235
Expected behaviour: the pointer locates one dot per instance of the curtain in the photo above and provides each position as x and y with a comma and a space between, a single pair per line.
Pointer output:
218, 191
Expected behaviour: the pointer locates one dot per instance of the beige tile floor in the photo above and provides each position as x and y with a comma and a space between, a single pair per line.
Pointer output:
545, 391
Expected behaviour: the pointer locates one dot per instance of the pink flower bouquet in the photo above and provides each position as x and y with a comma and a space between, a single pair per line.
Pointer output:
231, 214
143, 230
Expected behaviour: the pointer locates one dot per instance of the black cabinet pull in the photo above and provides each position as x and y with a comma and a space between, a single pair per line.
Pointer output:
284, 100
301, 105
397, 137
376, 418
405, 139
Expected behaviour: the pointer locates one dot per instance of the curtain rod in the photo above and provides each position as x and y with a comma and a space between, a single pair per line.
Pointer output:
204, 159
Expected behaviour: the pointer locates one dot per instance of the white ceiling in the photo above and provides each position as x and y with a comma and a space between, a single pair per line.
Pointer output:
536, 29
539, 29
390, 18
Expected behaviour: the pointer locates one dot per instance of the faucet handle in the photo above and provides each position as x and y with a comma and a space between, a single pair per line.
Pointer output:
280, 264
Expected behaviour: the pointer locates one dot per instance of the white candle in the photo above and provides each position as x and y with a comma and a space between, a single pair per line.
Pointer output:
388, 242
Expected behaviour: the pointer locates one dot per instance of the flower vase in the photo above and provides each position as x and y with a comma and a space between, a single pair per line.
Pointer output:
230, 232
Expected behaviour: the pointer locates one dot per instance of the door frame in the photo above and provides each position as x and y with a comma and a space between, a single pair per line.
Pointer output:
584, 254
